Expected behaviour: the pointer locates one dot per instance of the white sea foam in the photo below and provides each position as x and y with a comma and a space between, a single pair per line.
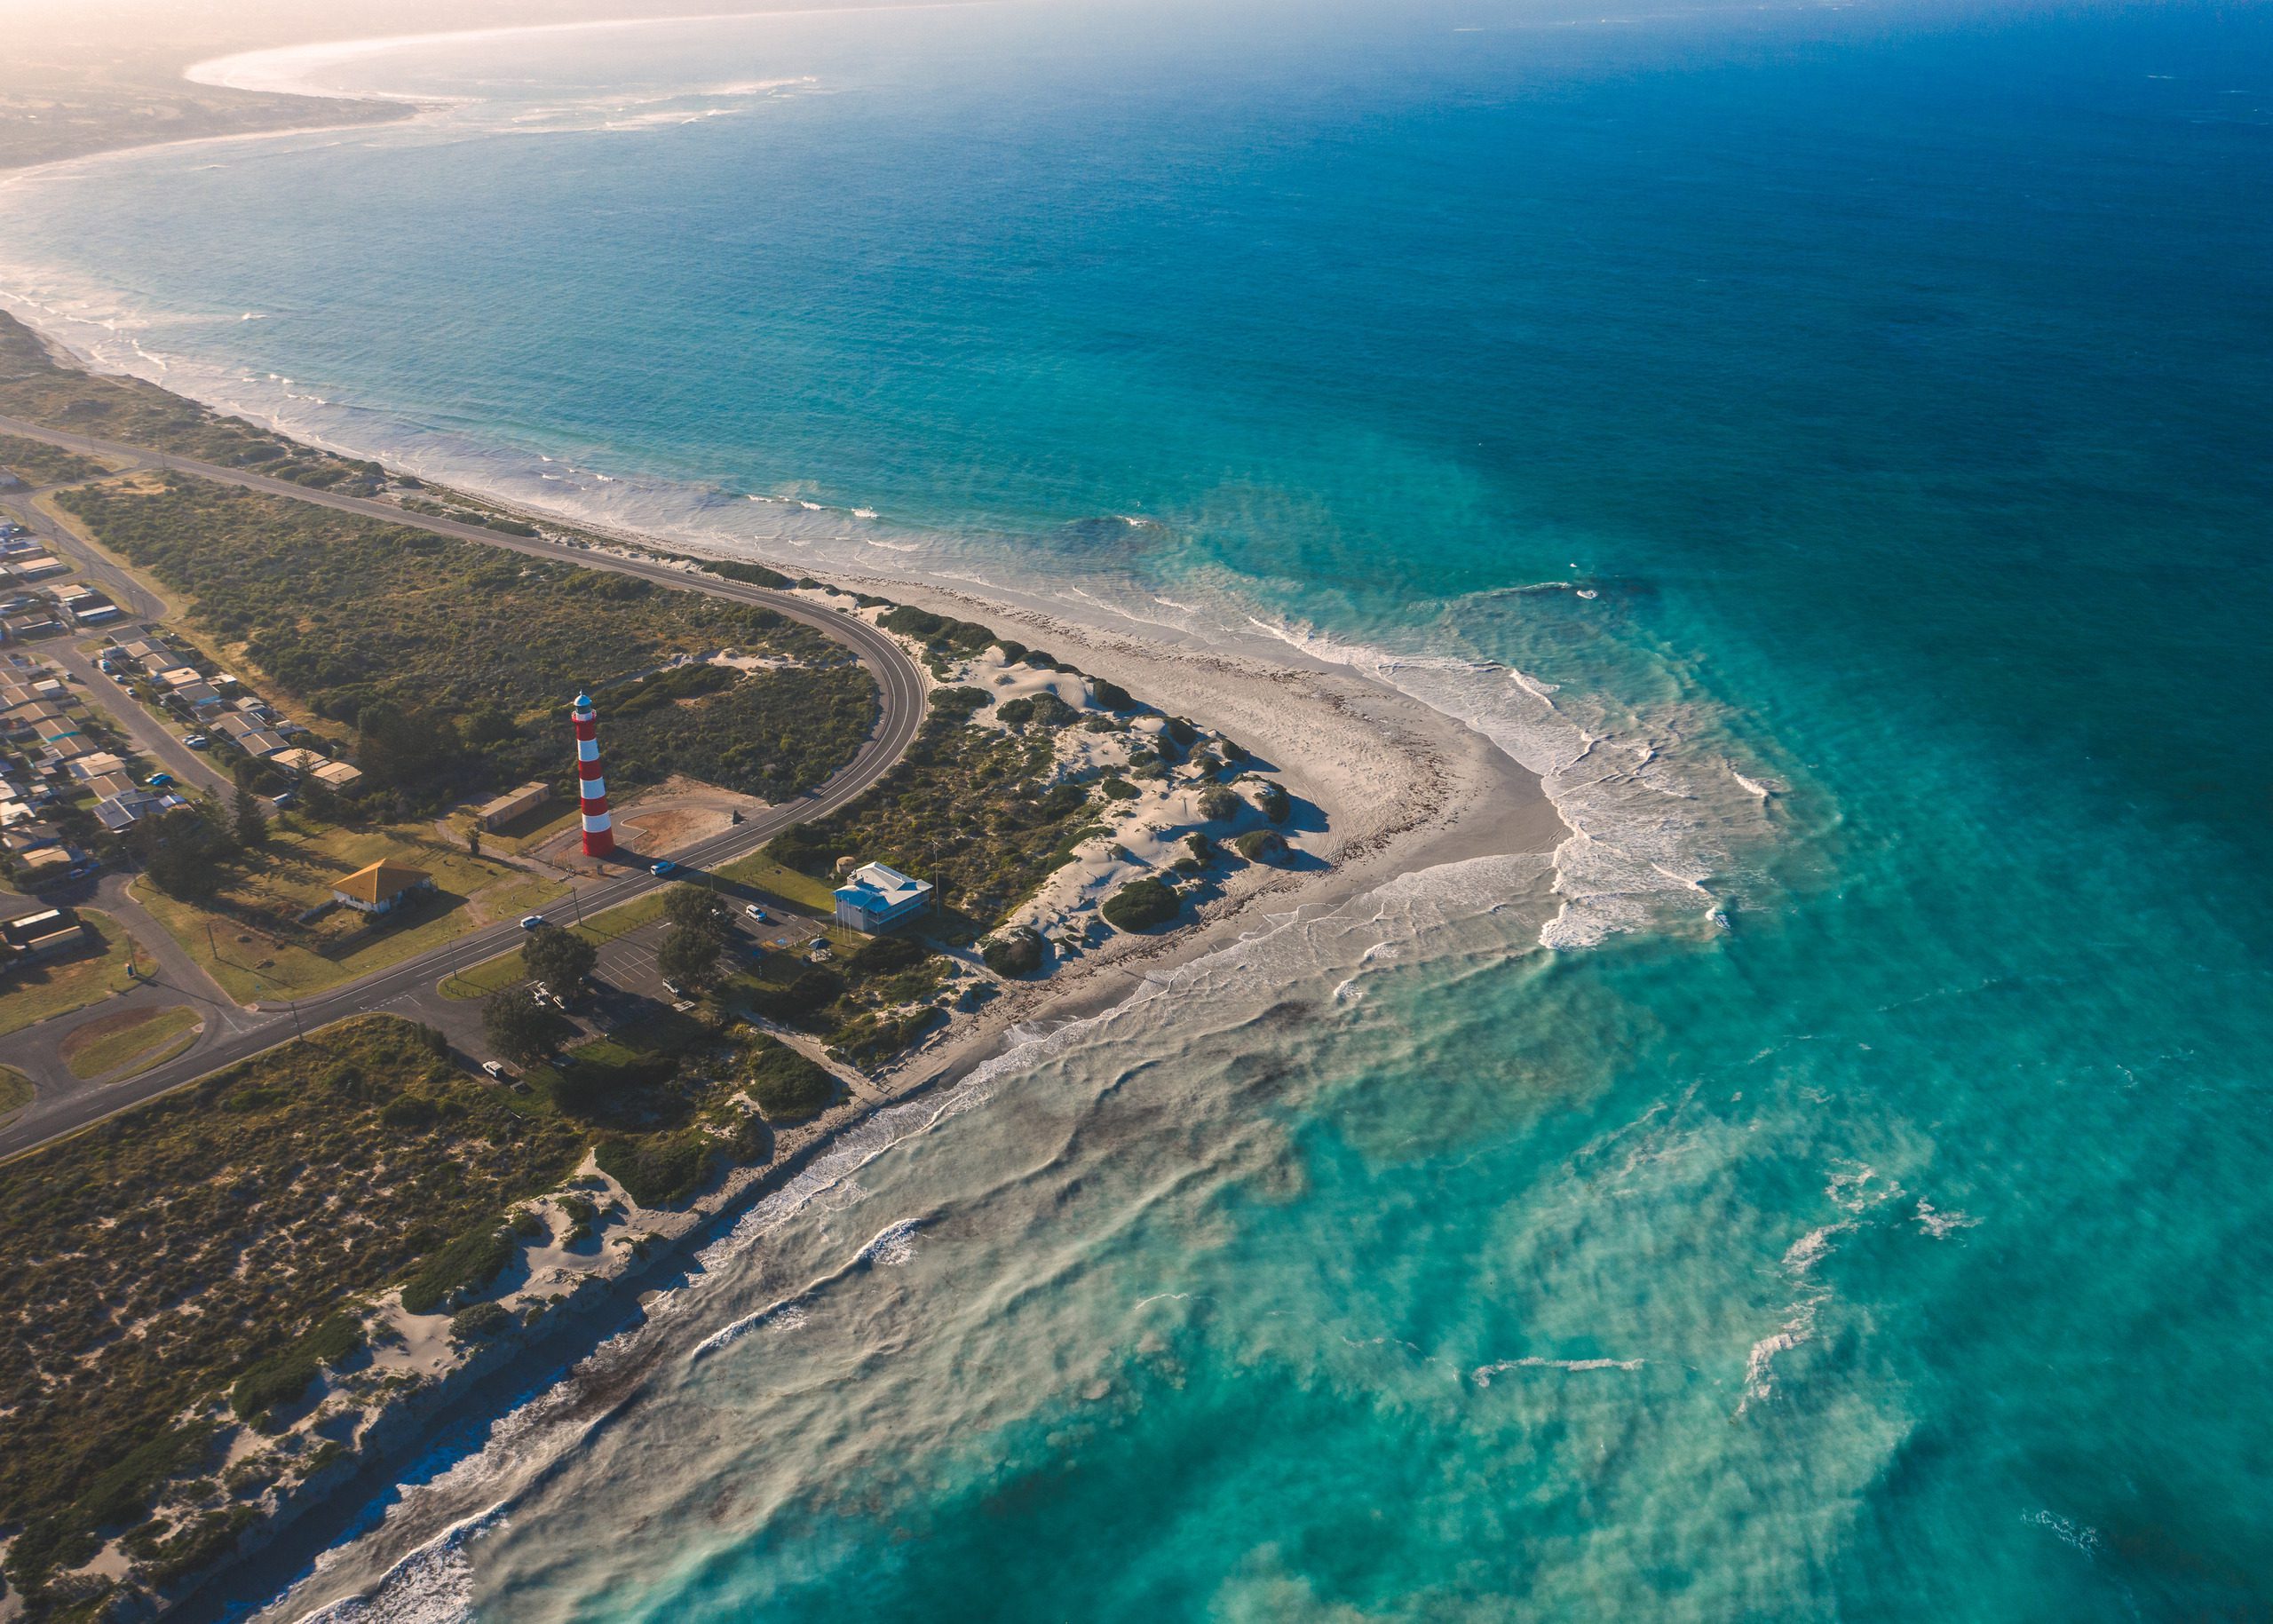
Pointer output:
892, 1247
1760, 1363
1629, 854
1483, 1374
1940, 1224
432, 1585
1809, 1249
2070, 1533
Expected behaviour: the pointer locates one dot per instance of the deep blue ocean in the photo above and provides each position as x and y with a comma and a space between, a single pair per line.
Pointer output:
1853, 424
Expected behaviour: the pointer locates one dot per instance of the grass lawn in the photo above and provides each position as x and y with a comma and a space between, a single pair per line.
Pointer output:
15, 1092
800, 892
255, 950
61, 986
495, 975
109, 1041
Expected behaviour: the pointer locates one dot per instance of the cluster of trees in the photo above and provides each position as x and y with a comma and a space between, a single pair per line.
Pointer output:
699, 925
185, 850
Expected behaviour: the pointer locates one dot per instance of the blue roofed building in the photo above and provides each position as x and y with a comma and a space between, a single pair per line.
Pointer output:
877, 898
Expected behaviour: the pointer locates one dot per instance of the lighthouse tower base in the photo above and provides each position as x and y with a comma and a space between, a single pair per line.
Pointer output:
591, 781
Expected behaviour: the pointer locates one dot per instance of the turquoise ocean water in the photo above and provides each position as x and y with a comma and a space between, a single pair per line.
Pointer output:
1850, 422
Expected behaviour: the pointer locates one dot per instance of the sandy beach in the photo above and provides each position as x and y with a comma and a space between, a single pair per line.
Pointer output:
1401, 787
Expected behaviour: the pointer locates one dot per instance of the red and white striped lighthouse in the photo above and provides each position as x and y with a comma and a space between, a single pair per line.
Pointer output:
591, 787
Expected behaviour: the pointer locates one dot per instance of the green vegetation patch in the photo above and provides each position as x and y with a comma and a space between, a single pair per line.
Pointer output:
787, 1087
964, 809
661, 1171
16, 1091
105, 1044
284, 1376
1141, 904
224, 1223
1261, 847
447, 666
457, 1270
1017, 953
35, 461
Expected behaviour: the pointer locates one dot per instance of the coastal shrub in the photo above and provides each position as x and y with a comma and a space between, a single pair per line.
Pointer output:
1044, 709
284, 1376
198, 1545
342, 612
466, 1263
966, 700
1273, 801
1141, 904
787, 1087
1111, 695
477, 1322
885, 954
802, 1001
683, 682
411, 1111
219, 1220
965, 635
1261, 845
602, 1085
749, 575
659, 1171
1017, 953
871, 1036
1119, 790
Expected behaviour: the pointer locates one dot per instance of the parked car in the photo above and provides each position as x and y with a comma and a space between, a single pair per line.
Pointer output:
665, 866
159, 780
674, 989
497, 1070
758, 914
197, 741
529, 921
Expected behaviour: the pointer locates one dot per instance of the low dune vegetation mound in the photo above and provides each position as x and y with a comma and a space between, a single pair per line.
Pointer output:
1142, 904
1262, 846
1014, 953
787, 1087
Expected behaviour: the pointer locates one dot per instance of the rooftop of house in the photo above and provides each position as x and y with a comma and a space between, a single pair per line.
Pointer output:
378, 882
880, 888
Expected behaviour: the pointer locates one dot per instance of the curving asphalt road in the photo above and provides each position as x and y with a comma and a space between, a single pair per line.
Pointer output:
63, 1108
